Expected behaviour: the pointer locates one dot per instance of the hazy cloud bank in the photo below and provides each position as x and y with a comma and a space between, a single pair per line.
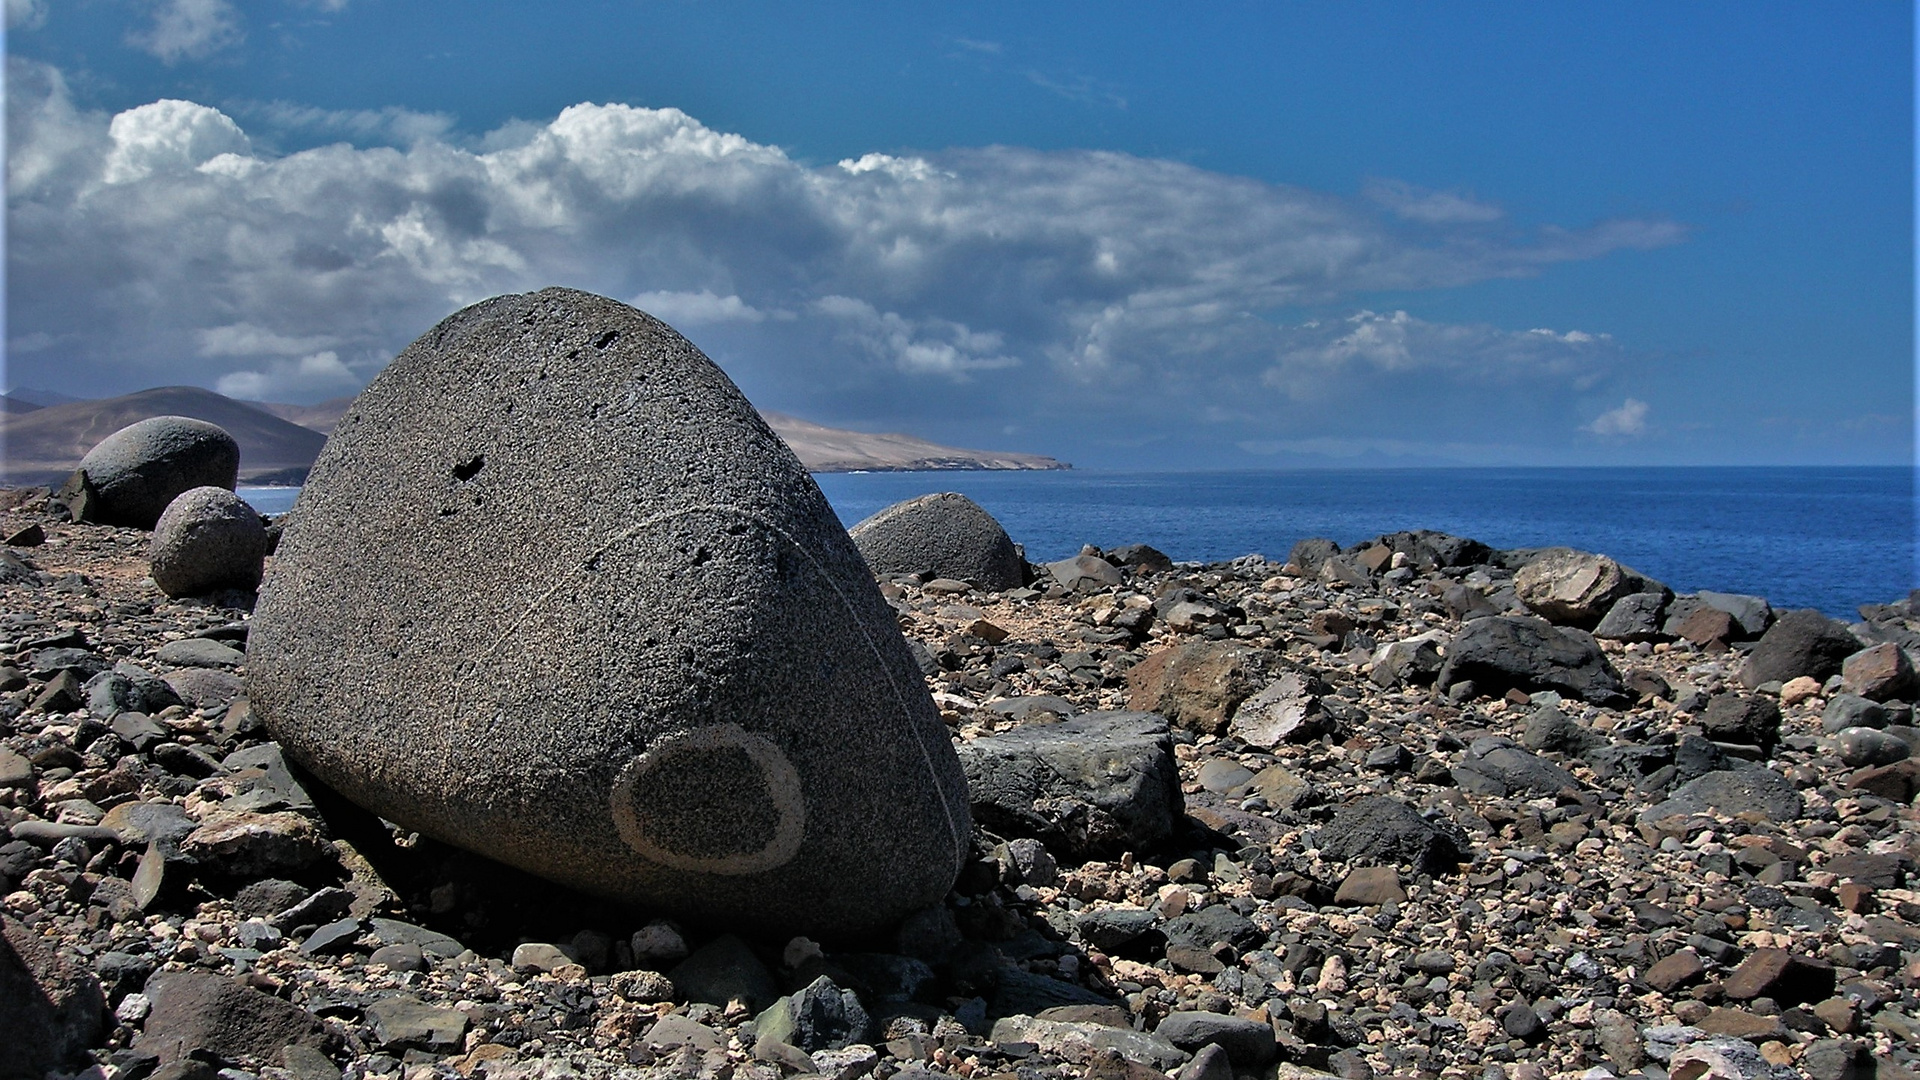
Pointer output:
1028, 288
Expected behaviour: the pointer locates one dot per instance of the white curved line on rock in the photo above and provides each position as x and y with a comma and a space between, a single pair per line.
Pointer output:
926, 756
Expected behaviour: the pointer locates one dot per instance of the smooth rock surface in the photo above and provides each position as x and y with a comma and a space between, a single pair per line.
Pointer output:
208, 538
603, 626
940, 536
135, 472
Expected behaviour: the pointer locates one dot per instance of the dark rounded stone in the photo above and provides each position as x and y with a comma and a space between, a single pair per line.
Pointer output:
940, 536
601, 625
208, 538
136, 471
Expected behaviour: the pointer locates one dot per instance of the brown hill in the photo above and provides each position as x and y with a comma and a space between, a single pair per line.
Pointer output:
278, 442
825, 449
320, 418
43, 446
821, 449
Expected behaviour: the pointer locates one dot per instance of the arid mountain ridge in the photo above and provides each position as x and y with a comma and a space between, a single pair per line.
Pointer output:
278, 442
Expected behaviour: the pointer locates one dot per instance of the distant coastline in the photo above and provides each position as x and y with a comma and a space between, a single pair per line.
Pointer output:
43, 437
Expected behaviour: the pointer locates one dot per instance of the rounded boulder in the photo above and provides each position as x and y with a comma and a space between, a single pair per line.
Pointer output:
946, 535
208, 538
602, 625
137, 471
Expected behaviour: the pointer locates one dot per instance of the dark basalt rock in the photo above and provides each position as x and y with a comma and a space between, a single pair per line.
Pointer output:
1515, 652
602, 625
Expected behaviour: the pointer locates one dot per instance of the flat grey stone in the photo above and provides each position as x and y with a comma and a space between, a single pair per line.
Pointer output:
601, 625
1731, 792
404, 1022
200, 652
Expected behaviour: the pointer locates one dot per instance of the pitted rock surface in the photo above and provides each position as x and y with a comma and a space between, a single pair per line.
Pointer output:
945, 535
208, 538
603, 626
136, 471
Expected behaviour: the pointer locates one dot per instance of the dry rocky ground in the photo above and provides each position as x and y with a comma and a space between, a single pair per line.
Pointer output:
1318, 854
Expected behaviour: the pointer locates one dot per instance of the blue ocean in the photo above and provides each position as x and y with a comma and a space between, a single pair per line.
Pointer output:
1827, 538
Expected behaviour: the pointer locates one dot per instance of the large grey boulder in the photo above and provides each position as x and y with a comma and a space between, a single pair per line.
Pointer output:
135, 472
1507, 652
1578, 587
1093, 786
208, 538
941, 536
601, 624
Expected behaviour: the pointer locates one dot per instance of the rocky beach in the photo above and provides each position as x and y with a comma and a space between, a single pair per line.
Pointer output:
480, 764
1261, 807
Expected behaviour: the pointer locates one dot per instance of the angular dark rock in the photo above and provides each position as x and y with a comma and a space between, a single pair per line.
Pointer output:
1095, 785
1633, 617
1803, 642
1494, 766
1731, 792
1747, 719
197, 1011
1785, 977
1385, 830
1503, 653
51, 1008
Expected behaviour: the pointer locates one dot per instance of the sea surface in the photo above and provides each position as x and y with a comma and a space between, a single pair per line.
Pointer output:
1827, 538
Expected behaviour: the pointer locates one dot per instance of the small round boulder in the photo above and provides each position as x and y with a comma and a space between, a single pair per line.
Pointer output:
208, 538
136, 471
945, 535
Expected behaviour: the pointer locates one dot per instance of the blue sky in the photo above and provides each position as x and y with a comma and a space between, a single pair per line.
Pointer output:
1126, 235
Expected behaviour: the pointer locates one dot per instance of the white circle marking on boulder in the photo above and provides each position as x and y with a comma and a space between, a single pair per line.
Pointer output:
777, 774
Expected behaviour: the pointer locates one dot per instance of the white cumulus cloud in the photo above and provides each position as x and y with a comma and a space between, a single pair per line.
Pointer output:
189, 30
26, 14
1048, 289
1626, 421
321, 375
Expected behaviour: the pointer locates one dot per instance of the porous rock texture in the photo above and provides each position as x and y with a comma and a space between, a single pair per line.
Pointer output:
945, 535
208, 538
602, 625
135, 472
